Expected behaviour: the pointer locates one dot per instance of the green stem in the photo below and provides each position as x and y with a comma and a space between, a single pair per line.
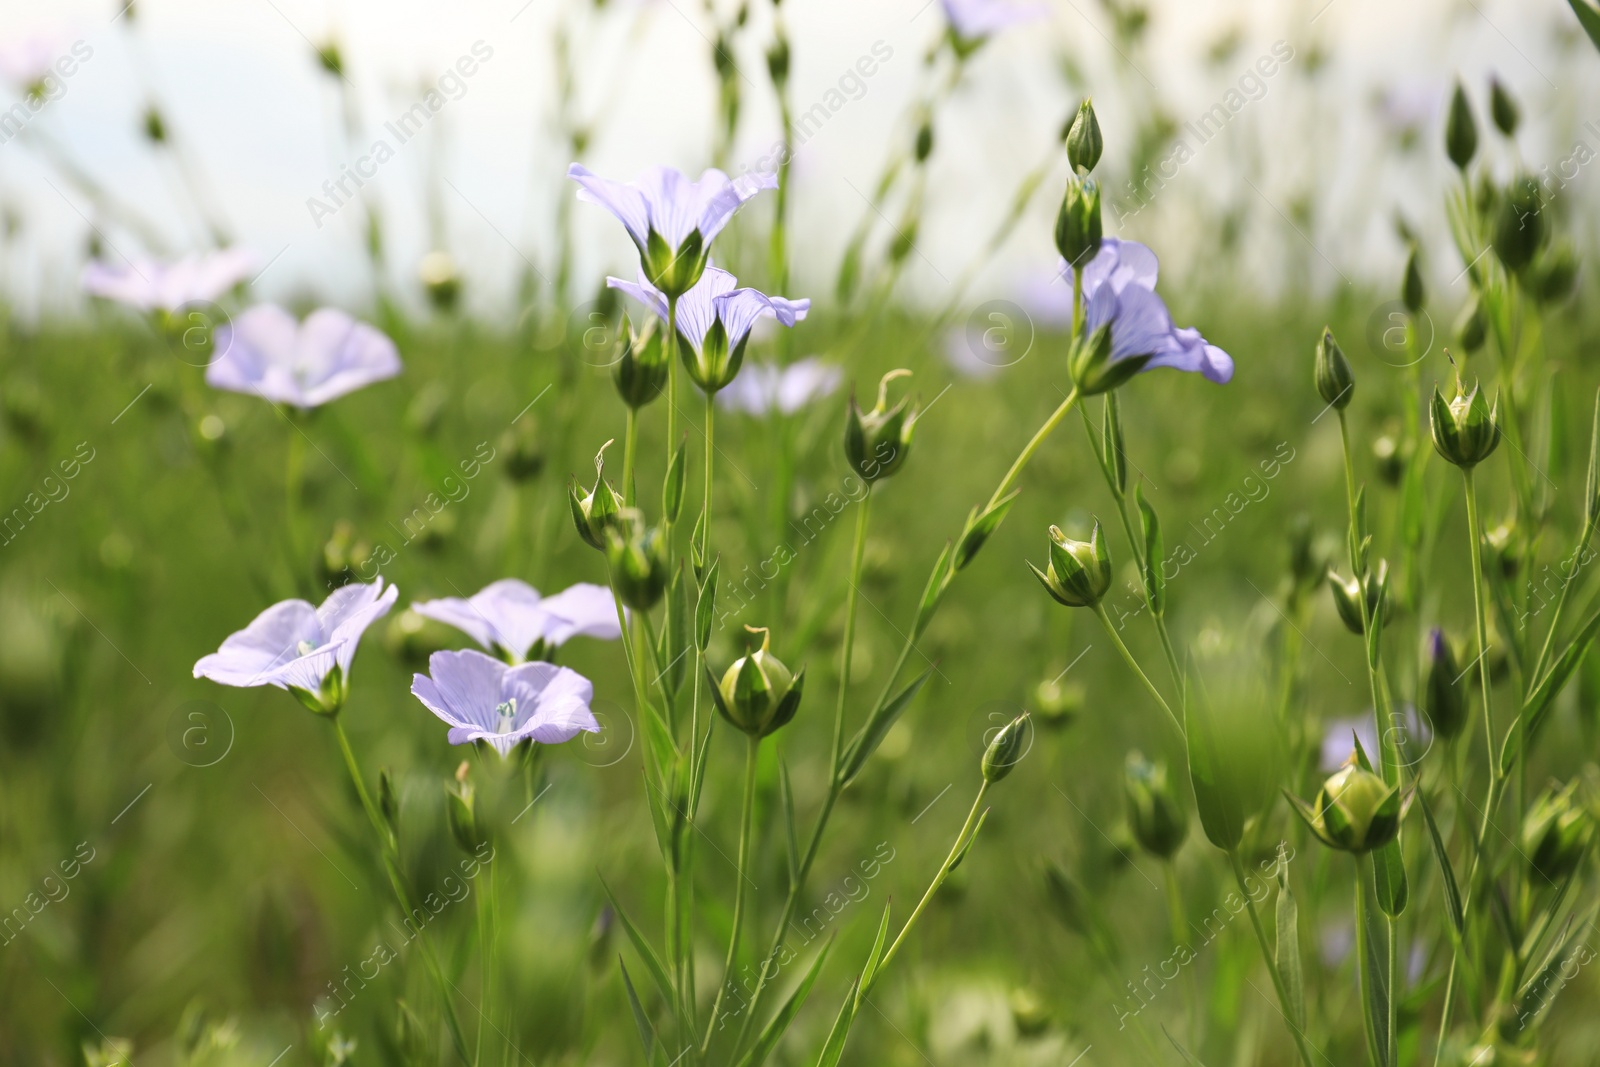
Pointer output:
857, 551
1270, 960
293, 484
1133, 664
629, 444
745, 818
1475, 535
1561, 605
1364, 952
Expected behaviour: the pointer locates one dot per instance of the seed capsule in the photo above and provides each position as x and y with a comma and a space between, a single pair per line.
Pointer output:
1466, 430
1084, 143
1006, 750
1355, 811
757, 693
595, 512
1078, 223
1079, 573
877, 442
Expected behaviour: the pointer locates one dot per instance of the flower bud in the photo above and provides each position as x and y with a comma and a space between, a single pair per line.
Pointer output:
1467, 429
461, 809
1470, 328
1355, 811
640, 374
1502, 108
595, 512
1554, 274
1556, 833
155, 127
1460, 130
1412, 292
877, 442
674, 271
1078, 225
1444, 701
1388, 456
778, 60
1006, 750
1084, 143
924, 143
441, 280
1155, 813
1347, 595
637, 556
1079, 573
1335, 382
1519, 225
758, 694
523, 449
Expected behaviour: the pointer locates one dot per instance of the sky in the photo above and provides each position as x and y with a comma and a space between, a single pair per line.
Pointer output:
257, 127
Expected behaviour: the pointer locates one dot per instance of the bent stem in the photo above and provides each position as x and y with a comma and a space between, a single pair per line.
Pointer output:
1133, 664
746, 811
390, 848
1270, 960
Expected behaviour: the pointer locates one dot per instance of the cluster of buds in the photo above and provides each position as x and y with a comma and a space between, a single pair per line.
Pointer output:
1557, 833
1466, 430
1078, 223
1355, 810
877, 442
758, 694
1155, 814
1079, 574
637, 556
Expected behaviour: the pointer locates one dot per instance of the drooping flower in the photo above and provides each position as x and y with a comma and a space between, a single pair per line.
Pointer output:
973, 21
714, 321
1119, 295
306, 650
483, 699
671, 219
266, 353
765, 388
511, 619
153, 285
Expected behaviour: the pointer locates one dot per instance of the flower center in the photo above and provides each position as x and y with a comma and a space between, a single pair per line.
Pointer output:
305, 648
508, 715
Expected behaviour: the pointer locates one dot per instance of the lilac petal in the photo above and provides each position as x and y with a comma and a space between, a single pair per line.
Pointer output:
487, 618
463, 689
147, 284
673, 202
697, 308
257, 654
1188, 351
642, 291
976, 19
129, 285
1142, 326
338, 355
624, 201
719, 208
740, 308
1120, 263
349, 618
581, 610
266, 353
808, 380
555, 701
254, 354
754, 391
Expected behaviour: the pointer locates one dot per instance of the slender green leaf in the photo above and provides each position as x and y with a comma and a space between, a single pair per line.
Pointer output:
877, 725
773, 1032
1447, 874
1588, 18
1539, 702
1288, 951
1155, 580
1372, 936
1389, 879
1188, 1057
980, 525
672, 491
1113, 457
833, 1048
870, 971
966, 846
791, 838
938, 580
706, 609
652, 962
641, 1021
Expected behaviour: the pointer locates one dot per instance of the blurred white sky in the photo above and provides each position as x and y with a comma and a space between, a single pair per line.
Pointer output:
240, 89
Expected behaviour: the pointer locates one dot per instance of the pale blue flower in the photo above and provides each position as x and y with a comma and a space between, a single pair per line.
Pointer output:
975, 20
764, 388
483, 699
266, 353
295, 646
666, 201
510, 618
153, 285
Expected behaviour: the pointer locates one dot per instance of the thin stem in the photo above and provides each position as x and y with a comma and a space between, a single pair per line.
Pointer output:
1364, 951
1475, 535
671, 341
1270, 960
933, 887
629, 444
705, 505
1561, 605
1032, 446
745, 818
1111, 631
856, 554
293, 481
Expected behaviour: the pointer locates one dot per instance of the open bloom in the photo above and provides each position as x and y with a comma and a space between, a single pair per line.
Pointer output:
303, 649
671, 219
28, 60
975, 20
482, 699
714, 321
766, 388
1119, 292
266, 353
511, 619
151, 285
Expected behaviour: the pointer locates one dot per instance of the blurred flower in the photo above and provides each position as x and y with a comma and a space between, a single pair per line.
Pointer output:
765, 388
29, 58
510, 618
151, 285
671, 219
962, 354
1407, 109
1338, 739
482, 699
303, 649
714, 321
975, 20
265, 353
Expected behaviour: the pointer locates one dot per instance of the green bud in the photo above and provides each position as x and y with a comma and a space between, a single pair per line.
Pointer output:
637, 557
1155, 813
1444, 700
155, 127
1078, 224
877, 442
924, 144
1412, 291
1084, 143
1556, 833
1092, 368
1355, 811
1502, 108
595, 512
1519, 225
674, 270
441, 280
1006, 750
758, 694
523, 448
715, 364
778, 61
1460, 130
329, 698
1554, 274
461, 810
1471, 327
1467, 429
331, 58
1335, 382
1347, 596
1080, 571
640, 374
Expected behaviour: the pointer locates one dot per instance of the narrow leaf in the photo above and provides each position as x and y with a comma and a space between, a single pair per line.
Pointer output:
1588, 18
1389, 879
833, 1048
641, 1021
967, 845
980, 525
938, 580
1288, 951
870, 971
652, 962
878, 723
791, 839
1452, 894
706, 609
1155, 581
1114, 459
672, 491
1188, 1057
1537, 707
773, 1032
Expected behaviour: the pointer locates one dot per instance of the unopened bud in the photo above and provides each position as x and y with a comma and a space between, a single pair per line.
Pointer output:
1084, 143
877, 442
1502, 108
1078, 223
758, 694
1444, 701
1155, 813
1079, 573
1335, 382
1010, 744
1466, 430
1460, 130
595, 512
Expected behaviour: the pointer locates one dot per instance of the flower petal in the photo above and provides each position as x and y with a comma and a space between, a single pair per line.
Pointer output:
259, 654
642, 291
581, 610
463, 689
623, 200
697, 308
552, 702
346, 618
